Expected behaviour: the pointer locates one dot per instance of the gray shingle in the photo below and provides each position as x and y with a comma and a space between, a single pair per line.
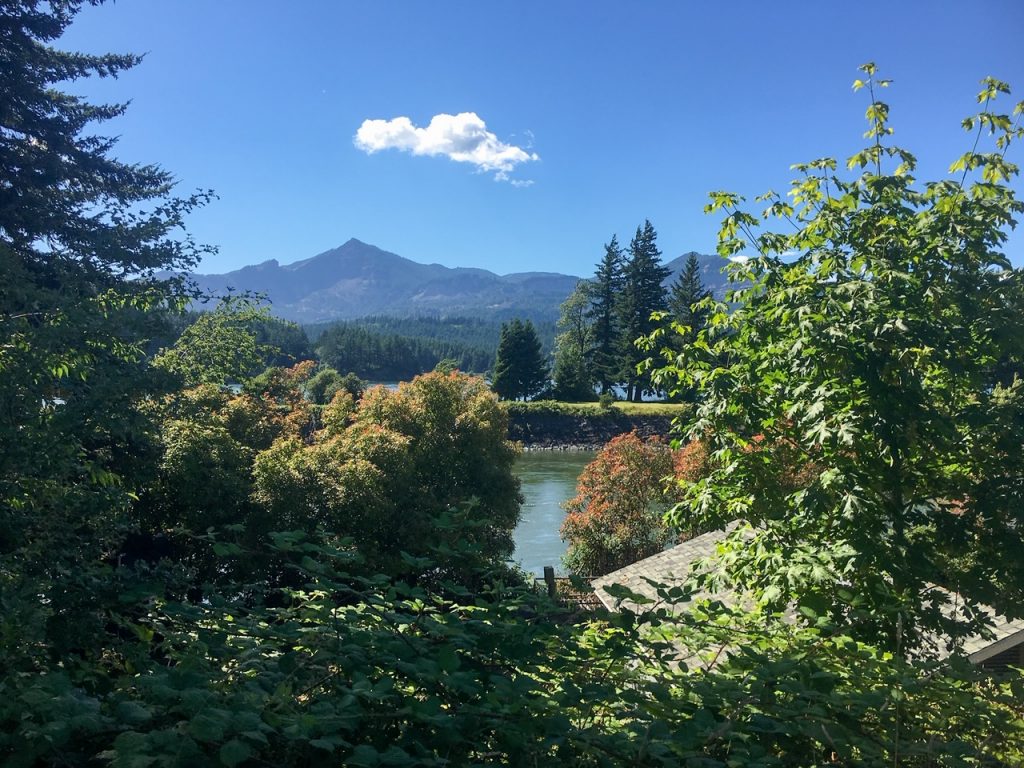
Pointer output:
673, 567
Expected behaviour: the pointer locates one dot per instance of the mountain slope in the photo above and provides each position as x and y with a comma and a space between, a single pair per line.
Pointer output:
357, 279
710, 271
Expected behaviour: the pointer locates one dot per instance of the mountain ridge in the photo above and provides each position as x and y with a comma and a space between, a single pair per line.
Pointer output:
357, 279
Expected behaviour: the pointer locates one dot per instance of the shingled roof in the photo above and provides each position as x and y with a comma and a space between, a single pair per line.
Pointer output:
669, 567
673, 567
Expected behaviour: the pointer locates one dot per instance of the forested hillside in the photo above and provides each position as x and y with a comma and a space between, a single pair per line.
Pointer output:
398, 348
470, 331
375, 348
357, 279
389, 357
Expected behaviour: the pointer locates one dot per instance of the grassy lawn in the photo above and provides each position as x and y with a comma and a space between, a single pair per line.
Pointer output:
595, 409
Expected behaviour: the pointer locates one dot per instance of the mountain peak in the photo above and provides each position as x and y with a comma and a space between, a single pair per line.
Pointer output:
357, 279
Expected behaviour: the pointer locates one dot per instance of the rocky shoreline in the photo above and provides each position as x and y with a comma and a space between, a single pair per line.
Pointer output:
570, 432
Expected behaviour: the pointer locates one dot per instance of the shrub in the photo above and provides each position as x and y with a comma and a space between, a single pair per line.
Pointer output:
616, 517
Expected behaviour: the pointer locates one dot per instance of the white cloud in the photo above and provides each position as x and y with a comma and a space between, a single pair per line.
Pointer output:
463, 138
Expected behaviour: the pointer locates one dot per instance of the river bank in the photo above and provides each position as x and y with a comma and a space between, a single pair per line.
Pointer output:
586, 426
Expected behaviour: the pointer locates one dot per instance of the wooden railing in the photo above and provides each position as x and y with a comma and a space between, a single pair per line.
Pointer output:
573, 593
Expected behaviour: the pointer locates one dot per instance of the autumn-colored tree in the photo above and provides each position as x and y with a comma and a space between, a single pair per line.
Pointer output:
381, 473
208, 439
616, 517
625, 495
384, 472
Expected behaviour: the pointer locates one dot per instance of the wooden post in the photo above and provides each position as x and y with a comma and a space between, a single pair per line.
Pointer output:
549, 579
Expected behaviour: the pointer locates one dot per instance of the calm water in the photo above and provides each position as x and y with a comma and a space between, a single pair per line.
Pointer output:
549, 478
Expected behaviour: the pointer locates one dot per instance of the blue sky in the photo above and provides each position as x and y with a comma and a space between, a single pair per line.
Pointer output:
622, 111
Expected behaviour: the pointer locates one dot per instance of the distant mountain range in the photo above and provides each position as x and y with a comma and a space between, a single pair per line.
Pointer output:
357, 279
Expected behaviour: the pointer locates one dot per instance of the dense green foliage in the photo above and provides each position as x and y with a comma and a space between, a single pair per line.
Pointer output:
219, 347
389, 357
477, 332
197, 577
519, 367
350, 671
279, 342
82, 240
882, 362
327, 382
573, 379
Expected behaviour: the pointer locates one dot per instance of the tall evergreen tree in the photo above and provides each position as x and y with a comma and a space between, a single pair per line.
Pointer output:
572, 374
687, 291
607, 287
519, 368
502, 381
84, 242
685, 294
643, 292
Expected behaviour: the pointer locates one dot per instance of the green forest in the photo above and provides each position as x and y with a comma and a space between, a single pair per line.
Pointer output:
601, 347
194, 574
380, 349
380, 356
472, 332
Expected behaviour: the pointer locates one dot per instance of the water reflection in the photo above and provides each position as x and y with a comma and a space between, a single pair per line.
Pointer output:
548, 478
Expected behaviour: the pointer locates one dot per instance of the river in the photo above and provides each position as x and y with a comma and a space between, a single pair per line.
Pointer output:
548, 479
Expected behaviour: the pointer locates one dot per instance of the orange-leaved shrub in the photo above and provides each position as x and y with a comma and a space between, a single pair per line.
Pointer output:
616, 516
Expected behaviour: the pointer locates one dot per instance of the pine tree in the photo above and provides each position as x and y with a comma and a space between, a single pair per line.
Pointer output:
502, 381
686, 291
605, 294
519, 368
84, 242
643, 292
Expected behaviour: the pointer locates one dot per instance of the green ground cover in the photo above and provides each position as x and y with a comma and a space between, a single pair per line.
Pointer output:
556, 407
